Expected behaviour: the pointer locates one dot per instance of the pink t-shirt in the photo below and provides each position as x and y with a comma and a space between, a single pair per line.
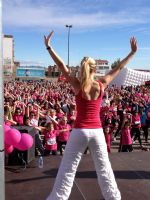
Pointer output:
126, 137
50, 140
60, 115
136, 121
8, 123
64, 136
18, 119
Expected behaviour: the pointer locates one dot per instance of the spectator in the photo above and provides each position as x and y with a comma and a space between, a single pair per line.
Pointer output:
64, 132
136, 125
126, 140
18, 116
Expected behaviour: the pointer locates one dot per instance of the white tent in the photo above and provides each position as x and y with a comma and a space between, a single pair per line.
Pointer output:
131, 77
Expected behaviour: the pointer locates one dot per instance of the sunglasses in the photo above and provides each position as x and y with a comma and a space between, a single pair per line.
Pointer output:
18, 111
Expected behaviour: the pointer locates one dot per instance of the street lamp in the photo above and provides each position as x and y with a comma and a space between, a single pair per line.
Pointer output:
69, 27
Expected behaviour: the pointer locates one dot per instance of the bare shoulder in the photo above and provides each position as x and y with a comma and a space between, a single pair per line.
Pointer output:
103, 81
74, 81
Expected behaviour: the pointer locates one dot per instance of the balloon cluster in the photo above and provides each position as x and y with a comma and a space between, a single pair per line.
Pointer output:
14, 139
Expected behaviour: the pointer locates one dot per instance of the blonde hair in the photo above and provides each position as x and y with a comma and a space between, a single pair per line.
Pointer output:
88, 65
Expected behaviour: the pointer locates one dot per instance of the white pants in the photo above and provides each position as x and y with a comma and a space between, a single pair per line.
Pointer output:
78, 141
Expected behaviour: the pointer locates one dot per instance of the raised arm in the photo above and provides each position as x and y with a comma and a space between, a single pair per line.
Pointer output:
114, 72
59, 62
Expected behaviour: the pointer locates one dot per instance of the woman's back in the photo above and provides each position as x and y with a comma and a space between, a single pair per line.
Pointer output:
92, 90
88, 107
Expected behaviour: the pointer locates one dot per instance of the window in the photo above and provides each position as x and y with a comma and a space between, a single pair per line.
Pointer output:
106, 67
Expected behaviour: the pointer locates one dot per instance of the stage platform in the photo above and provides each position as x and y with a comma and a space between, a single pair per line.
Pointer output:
132, 172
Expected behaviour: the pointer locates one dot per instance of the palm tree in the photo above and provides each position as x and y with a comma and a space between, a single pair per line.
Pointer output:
115, 63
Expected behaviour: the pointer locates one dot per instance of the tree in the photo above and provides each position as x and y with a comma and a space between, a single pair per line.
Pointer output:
115, 63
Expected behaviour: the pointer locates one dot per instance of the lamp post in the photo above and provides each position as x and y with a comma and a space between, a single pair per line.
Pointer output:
69, 27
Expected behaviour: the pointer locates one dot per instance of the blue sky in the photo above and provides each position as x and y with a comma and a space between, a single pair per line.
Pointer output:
101, 29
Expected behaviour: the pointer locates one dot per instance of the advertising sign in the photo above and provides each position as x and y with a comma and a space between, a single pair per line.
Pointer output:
27, 72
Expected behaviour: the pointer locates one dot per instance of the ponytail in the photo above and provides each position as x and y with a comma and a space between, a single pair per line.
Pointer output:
85, 74
86, 69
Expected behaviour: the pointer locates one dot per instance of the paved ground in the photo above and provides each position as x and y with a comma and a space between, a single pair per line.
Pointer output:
131, 171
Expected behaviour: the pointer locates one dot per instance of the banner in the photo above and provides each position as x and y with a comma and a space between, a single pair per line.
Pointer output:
26, 72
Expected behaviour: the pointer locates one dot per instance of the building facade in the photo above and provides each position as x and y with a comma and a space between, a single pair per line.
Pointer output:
53, 71
8, 56
102, 67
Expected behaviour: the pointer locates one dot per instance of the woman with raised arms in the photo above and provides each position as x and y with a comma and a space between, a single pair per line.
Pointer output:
87, 131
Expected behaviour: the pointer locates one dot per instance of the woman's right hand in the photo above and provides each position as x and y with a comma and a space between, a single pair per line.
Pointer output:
47, 39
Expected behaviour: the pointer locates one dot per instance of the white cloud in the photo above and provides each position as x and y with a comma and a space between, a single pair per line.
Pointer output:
27, 14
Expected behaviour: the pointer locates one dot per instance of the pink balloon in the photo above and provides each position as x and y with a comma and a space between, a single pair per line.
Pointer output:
25, 143
6, 128
9, 149
12, 136
7, 145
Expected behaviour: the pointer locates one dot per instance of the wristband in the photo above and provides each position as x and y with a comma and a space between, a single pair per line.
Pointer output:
48, 48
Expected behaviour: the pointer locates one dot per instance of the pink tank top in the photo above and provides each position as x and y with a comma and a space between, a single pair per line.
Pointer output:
88, 111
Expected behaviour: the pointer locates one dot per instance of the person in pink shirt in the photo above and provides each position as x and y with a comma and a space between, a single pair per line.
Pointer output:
113, 107
33, 114
103, 116
64, 133
87, 131
126, 140
136, 126
18, 116
71, 116
59, 112
50, 135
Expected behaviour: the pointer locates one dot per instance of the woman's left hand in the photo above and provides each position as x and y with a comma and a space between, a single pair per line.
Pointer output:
48, 39
133, 43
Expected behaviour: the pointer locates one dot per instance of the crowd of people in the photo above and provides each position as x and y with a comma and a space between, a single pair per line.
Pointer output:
126, 112
51, 109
